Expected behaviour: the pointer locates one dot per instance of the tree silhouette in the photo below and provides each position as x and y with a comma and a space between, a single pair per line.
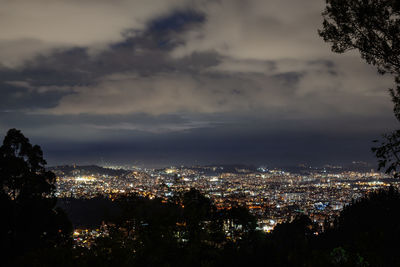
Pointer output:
388, 153
239, 222
373, 28
198, 210
368, 229
27, 202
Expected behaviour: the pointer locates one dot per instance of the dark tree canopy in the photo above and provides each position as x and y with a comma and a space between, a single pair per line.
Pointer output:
22, 169
370, 26
373, 28
27, 203
369, 228
388, 153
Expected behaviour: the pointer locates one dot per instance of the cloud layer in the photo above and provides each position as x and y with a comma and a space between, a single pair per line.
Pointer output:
200, 71
31, 28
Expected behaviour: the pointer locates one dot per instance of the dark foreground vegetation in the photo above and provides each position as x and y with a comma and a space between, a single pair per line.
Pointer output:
188, 230
185, 230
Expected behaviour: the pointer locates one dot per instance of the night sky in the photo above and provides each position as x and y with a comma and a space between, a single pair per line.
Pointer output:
165, 82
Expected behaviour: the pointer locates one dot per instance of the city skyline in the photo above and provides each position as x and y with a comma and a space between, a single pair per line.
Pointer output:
186, 82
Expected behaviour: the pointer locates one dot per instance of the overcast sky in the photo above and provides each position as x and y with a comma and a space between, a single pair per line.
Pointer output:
160, 82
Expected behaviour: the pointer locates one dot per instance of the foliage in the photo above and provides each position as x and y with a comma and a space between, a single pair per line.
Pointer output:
27, 203
369, 228
152, 232
388, 153
186, 230
372, 27
367, 231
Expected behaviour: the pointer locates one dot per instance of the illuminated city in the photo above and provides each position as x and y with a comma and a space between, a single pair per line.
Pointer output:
273, 196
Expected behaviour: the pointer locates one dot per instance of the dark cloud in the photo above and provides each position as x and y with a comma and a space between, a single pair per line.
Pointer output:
15, 97
177, 21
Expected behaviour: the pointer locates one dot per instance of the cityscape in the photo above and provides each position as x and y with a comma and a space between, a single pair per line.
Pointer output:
273, 196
